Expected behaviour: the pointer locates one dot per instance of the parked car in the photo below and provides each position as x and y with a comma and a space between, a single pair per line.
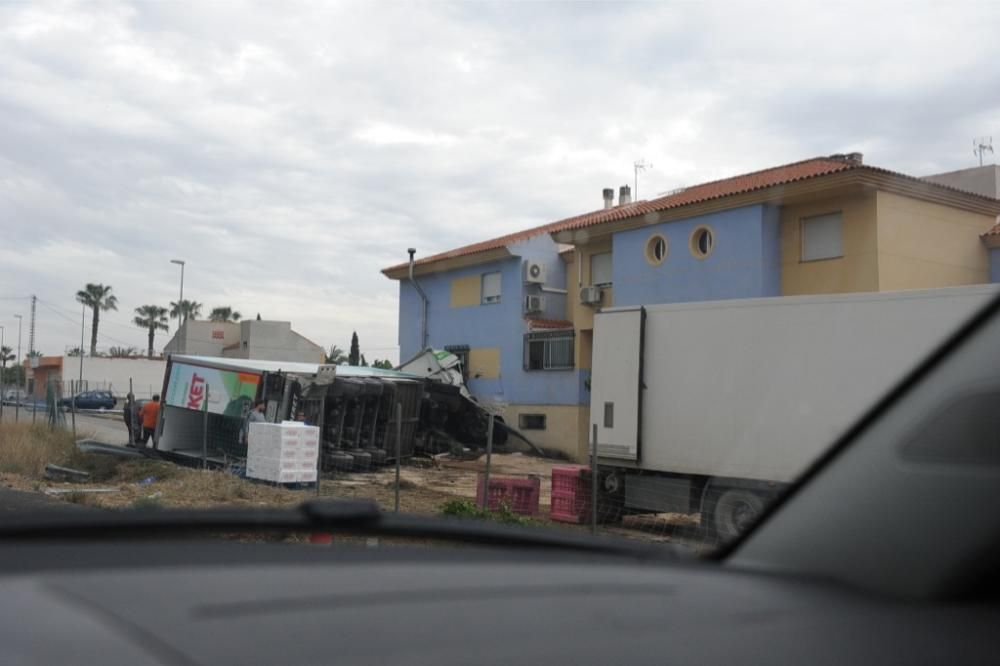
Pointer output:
90, 400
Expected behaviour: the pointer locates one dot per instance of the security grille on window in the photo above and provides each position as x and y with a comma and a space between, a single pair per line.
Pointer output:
531, 421
600, 269
491, 288
462, 352
551, 350
822, 237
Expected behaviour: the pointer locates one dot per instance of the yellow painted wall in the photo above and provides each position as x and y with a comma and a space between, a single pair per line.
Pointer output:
484, 362
562, 427
924, 245
466, 291
583, 315
857, 270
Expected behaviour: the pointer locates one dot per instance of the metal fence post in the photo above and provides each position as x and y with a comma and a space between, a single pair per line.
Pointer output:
399, 447
321, 422
593, 483
130, 413
489, 459
72, 402
204, 432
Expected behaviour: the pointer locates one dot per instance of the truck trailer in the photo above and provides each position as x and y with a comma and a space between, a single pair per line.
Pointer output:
716, 407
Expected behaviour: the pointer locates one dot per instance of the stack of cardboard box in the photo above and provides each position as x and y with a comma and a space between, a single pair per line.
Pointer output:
285, 452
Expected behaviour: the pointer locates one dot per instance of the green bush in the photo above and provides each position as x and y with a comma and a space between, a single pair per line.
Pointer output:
464, 508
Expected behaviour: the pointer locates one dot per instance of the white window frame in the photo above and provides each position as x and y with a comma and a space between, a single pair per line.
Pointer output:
610, 270
487, 295
547, 340
827, 237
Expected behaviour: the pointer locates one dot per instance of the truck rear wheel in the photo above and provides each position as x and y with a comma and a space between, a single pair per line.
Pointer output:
735, 511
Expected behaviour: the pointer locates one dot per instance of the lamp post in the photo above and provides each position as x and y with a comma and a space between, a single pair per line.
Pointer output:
17, 396
181, 318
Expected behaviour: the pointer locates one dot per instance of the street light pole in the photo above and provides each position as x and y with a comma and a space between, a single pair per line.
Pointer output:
181, 315
17, 397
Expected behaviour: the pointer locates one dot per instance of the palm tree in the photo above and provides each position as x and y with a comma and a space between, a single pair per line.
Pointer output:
336, 356
224, 313
97, 297
184, 310
6, 354
122, 352
151, 317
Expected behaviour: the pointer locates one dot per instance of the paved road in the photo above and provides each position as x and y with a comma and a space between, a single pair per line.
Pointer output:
109, 430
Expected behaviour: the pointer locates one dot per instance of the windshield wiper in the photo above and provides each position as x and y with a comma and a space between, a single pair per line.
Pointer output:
360, 518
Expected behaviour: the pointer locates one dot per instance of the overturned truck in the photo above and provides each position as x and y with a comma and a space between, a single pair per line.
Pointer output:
206, 401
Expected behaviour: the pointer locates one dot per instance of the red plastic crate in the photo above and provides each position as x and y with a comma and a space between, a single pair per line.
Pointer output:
570, 494
570, 478
521, 495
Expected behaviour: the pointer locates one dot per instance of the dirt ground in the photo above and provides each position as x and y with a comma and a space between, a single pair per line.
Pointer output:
424, 488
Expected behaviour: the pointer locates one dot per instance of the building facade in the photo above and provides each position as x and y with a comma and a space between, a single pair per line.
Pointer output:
251, 339
826, 225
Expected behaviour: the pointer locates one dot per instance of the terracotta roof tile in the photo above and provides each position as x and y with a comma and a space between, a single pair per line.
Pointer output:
538, 323
994, 231
717, 189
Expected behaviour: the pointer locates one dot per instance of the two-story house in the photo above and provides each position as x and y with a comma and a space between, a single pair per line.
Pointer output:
825, 225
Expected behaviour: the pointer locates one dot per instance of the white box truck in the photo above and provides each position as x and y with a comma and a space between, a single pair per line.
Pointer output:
713, 407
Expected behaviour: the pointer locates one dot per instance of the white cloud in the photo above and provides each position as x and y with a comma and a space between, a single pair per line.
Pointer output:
288, 153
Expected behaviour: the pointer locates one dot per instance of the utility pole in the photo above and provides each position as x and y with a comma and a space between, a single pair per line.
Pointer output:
31, 326
3, 369
83, 321
181, 314
17, 398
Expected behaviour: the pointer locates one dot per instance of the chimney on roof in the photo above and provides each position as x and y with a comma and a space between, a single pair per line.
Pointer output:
609, 197
624, 195
851, 158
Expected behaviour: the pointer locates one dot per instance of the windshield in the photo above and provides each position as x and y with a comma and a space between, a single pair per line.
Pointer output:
618, 268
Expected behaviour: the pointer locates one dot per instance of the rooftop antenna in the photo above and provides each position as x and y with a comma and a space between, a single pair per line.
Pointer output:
981, 145
640, 165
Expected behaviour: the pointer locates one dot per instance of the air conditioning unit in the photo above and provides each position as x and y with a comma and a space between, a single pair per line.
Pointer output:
533, 303
590, 295
534, 272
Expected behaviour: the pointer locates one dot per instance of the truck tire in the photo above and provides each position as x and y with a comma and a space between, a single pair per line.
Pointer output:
735, 511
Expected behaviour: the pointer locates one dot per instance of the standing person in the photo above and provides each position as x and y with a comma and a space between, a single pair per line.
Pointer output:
148, 415
255, 415
128, 412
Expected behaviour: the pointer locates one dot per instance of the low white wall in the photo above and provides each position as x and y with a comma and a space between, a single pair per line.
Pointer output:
114, 373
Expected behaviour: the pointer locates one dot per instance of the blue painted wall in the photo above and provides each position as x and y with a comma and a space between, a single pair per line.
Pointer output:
995, 264
745, 261
499, 325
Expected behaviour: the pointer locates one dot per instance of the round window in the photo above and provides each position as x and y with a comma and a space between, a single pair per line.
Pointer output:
656, 249
702, 242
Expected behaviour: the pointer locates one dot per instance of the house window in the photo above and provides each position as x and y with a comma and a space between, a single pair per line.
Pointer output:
656, 249
822, 237
491, 288
600, 269
702, 242
531, 421
551, 350
462, 352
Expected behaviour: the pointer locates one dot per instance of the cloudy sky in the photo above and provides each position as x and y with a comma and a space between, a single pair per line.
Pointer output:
289, 151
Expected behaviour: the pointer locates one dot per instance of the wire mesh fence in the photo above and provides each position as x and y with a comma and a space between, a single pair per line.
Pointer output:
379, 444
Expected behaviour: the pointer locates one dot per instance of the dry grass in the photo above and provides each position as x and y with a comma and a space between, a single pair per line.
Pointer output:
25, 448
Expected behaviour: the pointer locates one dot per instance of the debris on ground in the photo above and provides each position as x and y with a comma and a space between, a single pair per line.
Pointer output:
60, 473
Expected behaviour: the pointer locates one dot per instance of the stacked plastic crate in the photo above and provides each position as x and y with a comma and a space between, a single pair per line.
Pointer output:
285, 452
570, 494
519, 495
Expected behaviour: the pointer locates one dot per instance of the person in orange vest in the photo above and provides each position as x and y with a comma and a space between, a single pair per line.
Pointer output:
147, 417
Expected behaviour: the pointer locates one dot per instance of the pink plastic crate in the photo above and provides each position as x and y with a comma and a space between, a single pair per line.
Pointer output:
570, 494
570, 478
521, 495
